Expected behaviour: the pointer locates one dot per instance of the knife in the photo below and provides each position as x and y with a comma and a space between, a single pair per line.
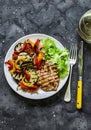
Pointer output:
80, 69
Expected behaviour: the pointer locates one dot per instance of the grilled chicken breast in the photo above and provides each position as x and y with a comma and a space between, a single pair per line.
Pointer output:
48, 77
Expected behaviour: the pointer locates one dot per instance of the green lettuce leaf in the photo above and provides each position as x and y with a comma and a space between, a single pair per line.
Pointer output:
56, 56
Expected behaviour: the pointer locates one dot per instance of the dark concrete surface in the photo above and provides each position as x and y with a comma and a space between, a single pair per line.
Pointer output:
57, 18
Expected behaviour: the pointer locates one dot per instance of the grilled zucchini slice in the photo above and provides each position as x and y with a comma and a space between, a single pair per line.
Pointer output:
17, 76
18, 46
24, 55
33, 75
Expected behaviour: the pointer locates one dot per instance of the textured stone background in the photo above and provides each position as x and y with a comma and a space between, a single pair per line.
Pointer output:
58, 18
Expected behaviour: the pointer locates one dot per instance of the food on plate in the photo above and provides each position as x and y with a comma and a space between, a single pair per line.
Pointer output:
38, 65
56, 56
48, 77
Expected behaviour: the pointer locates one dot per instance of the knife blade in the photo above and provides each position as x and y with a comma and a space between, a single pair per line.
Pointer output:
80, 69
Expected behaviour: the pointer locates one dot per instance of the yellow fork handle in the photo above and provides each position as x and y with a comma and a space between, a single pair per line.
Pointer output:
79, 95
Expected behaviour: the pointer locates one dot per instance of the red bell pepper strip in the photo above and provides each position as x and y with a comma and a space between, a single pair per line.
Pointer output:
30, 42
18, 71
35, 87
36, 46
10, 67
29, 48
27, 75
39, 63
38, 60
14, 56
37, 43
22, 85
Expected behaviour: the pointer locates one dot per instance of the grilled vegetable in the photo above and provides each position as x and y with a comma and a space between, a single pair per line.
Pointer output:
11, 66
36, 46
20, 47
24, 55
17, 76
38, 60
27, 75
33, 76
29, 48
30, 42
26, 65
28, 82
14, 56
18, 62
27, 88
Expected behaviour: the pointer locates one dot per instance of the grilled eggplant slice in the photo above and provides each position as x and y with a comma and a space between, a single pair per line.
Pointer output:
26, 65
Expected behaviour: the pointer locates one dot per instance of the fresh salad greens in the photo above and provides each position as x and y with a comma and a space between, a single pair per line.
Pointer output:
56, 56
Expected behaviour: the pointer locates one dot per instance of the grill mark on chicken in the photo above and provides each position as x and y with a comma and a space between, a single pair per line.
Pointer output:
43, 72
49, 88
47, 83
48, 77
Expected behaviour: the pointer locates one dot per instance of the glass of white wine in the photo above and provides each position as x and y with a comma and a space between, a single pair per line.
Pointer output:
84, 28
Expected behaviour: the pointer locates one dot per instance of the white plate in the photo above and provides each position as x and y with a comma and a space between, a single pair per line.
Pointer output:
41, 94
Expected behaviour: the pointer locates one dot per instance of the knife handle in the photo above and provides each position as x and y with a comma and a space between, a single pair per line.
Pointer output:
79, 95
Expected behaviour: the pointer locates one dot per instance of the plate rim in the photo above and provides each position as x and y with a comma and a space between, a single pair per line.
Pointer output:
53, 92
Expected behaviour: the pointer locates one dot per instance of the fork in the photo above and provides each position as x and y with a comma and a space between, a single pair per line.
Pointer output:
73, 58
